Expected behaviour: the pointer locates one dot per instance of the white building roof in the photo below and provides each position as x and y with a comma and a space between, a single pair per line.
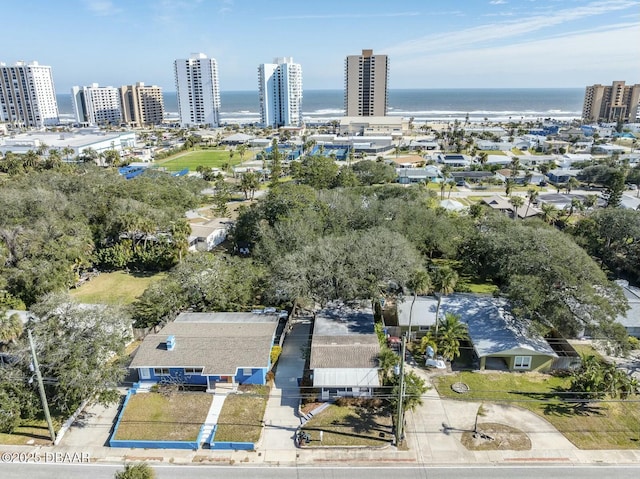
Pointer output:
346, 377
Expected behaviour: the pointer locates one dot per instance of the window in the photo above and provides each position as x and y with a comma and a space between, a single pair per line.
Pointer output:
193, 370
247, 371
522, 362
161, 371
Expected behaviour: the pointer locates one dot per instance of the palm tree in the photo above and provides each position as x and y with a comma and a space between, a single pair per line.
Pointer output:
445, 282
67, 151
576, 204
10, 328
483, 158
387, 361
242, 149
533, 196
508, 186
549, 213
515, 166
572, 184
590, 201
452, 331
516, 202
31, 160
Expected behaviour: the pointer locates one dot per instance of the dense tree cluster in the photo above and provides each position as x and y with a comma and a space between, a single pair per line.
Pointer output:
55, 225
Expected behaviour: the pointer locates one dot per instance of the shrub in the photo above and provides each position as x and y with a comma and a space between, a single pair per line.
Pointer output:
275, 354
634, 342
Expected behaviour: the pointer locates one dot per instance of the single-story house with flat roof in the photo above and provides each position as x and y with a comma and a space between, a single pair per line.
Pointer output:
209, 348
345, 350
631, 319
206, 236
418, 175
499, 340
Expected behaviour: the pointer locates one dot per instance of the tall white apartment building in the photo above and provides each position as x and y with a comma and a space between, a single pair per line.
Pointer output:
27, 95
96, 105
198, 90
366, 77
280, 89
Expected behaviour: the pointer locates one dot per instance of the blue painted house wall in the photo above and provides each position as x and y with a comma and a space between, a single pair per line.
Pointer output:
177, 373
257, 376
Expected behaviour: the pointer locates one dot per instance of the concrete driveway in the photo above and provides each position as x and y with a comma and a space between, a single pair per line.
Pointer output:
435, 428
281, 419
93, 427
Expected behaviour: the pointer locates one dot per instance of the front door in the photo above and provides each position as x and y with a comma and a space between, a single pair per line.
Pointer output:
144, 373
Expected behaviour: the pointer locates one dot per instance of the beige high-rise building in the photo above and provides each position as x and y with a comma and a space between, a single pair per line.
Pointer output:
142, 104
365, 89
618, 102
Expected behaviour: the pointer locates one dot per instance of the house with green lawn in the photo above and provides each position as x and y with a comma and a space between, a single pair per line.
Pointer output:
499, 340
204, 349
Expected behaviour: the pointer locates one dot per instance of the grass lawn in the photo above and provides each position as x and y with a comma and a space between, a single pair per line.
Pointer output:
192, 159
156, 417
114, 288
33, 432
241, 416
597, 425
350, 426
482, 288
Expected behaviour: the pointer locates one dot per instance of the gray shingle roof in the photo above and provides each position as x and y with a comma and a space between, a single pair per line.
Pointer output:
492, 329
219, 348
344, 337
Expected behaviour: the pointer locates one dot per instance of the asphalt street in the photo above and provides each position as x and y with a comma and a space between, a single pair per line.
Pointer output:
105, 471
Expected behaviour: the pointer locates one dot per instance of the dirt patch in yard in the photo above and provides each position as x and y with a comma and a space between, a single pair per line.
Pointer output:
496, 437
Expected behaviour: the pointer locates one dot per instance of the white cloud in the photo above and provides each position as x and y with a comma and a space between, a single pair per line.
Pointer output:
498, 2
567, 60
102, 8
493, 32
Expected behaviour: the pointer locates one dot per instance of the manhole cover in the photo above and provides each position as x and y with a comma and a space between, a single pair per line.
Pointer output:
460, 388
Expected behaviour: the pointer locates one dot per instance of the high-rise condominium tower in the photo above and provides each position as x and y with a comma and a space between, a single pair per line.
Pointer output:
96, 105
142, 104
27, 95
365, 92
618, 102
280, 88
198, 90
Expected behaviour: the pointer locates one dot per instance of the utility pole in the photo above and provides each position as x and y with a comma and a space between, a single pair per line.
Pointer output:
43, 396
400, 419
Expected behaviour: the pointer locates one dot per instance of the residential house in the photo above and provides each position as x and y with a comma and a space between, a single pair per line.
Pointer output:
462, 177
631, 319
499, 340
503, 160
206, 236
485, 145
561, 175
503, 204
563, 201
456, 160
209, 348
521, 177
344, 350
418, 175
411, 161
608, 150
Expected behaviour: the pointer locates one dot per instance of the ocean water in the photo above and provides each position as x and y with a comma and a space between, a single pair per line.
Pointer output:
422, 105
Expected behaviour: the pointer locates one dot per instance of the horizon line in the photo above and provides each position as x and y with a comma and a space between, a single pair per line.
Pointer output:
409, 89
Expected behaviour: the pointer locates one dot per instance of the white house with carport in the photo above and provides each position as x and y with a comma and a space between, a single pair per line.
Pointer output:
206, 236
344, 351
499, 340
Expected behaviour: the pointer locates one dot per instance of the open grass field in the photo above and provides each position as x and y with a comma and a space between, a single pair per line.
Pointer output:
596, 425
350, 426
114, 288
241, 416
208, 158
157, 417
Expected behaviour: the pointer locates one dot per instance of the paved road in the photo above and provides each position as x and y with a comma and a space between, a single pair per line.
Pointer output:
100, 471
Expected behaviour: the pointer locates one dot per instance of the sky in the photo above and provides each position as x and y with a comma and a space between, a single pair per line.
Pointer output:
430, 43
